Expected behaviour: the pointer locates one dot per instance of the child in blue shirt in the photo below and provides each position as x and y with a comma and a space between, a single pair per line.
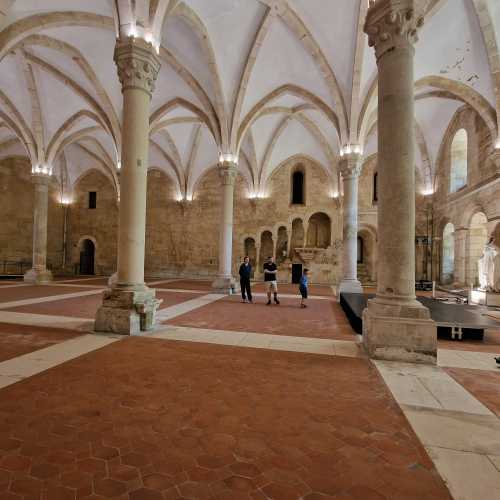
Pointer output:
303, 287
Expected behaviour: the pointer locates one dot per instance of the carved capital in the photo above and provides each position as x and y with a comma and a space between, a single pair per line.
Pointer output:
40, 179
350, 165
228, 171
137, 63
392, 24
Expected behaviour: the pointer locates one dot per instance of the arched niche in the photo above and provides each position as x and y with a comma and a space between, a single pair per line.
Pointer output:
266, 247
297, 236
448, 256
250, 249
458, 161
319, 231
281, 245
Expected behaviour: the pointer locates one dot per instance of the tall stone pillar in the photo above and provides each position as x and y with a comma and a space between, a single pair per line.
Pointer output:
225, 282
350, 168
38, 274
130, 306
460, 237
395, 325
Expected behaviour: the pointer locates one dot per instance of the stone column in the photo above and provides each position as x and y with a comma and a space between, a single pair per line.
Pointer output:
395, 325
130, 306
225, 282
38, 274
460, 237
350, 168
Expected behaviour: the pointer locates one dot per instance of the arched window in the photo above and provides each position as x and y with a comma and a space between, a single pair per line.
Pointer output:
448, 253
298, 187
375, 187
458, 168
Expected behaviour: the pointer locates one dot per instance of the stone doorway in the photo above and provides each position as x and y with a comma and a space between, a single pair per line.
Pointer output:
296, 273
87, 257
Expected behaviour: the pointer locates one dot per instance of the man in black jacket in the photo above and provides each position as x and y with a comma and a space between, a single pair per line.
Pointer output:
245, 274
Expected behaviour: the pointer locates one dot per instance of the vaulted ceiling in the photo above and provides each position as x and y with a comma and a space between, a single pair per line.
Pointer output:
264, 79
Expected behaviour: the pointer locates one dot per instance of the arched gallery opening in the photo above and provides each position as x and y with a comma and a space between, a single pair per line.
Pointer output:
87, 257
448, 254
478, 237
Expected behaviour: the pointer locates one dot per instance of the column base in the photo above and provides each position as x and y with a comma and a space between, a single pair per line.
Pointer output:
127, 312
225, 284
38, 277
350, 286
399, 332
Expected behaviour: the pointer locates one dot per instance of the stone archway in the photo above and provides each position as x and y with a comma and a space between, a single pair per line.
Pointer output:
319, 231
477, 238
87, 257
250, 249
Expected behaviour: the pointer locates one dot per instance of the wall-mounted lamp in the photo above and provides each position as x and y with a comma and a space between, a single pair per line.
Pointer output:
428, 192
351, 148
228, 158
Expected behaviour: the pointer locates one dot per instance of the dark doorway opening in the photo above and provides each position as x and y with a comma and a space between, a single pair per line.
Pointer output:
296, 273
360, 250
87, 254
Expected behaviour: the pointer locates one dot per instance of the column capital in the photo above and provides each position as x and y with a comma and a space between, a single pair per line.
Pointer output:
350, 165
137, 63
392, 24
228, 171
40, 178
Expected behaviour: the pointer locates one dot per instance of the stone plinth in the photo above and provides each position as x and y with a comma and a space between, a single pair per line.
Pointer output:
226, 285
399, 333
127, 312
38, 276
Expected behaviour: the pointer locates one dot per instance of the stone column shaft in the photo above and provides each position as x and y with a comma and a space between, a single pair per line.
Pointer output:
129, 306
395, 325
224, 282
39, 274
350, 168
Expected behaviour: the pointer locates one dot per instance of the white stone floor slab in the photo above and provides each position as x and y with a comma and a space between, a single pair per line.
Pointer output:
461, 435
45, 320
14, 285
189, 305
52, 298
468, 359
428, 386
260, 341
27, 365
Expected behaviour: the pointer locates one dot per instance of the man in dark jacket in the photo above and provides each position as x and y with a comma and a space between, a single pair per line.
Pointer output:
245, 274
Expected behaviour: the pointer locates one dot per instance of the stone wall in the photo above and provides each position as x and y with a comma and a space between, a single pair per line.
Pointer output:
100, 225
16, 207
480, 195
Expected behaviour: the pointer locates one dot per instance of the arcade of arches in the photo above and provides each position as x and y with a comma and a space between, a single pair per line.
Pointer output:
146, 148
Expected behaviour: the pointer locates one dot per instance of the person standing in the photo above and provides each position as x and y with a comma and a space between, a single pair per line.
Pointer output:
304, 281
245, 274
271, 279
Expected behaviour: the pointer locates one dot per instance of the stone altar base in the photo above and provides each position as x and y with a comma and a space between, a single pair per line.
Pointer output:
38, 277
484, 298
349, 286
410, 336
127, 312
226, 285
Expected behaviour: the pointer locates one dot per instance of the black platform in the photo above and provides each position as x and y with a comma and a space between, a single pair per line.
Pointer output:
455, 320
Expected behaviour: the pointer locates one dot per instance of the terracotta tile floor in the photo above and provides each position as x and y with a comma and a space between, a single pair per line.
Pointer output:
35, 292
146, 419
290, 288
322, 318
482, 384
16, 340
86, 307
